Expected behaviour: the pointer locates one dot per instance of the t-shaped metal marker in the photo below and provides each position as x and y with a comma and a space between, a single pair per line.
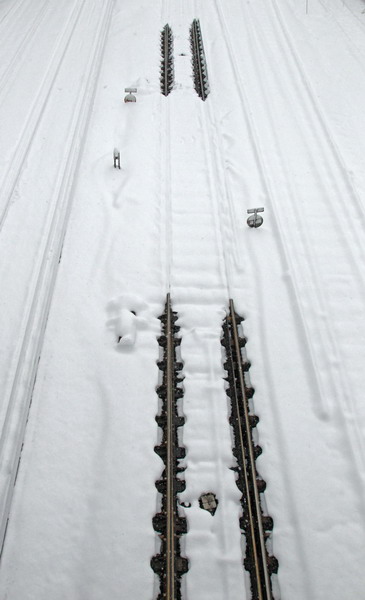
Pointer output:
255, 220
130, 97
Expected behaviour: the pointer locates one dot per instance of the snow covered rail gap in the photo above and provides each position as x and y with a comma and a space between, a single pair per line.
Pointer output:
255, 525
200, 70
167, 62
169, 564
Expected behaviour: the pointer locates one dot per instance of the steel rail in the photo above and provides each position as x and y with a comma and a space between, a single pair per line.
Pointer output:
198, 59
169, 565
170, 532
254, 509
166, 59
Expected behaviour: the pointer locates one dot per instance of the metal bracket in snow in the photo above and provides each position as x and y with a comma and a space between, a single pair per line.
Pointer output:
255, 220
130, 97
116, 157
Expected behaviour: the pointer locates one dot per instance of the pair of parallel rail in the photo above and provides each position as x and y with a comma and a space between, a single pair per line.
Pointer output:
169, 523
199, 62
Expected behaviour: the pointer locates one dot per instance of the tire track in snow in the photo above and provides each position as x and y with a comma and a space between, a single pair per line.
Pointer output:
312, 269
231, 233
13, 432
267, 187
352, 48
340, 388
352, 13
167, 251
36, 113
216, 182
12, 10
340, 384
14, 63
321, 123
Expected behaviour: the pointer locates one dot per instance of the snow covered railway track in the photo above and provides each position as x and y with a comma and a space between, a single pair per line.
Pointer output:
18, 402
200, 71
169, 565
254, 523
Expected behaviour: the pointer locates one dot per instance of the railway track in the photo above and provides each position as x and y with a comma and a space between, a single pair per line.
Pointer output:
200, 71
255, 525
168, 523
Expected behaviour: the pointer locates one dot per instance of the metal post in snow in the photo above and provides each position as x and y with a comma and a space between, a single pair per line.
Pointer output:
116, 157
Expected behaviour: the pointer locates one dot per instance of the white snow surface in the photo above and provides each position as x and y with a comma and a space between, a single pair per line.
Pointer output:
88, 253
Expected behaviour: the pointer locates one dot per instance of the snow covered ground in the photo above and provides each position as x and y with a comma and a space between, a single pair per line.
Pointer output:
83, 244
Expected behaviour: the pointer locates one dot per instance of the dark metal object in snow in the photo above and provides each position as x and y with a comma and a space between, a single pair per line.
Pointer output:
116, 157
208, 502
169, 564
130, 97
255, 220
167, 62
200, 71
255, 525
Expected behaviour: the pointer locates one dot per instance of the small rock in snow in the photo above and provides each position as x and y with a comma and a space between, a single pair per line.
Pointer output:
208, 502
